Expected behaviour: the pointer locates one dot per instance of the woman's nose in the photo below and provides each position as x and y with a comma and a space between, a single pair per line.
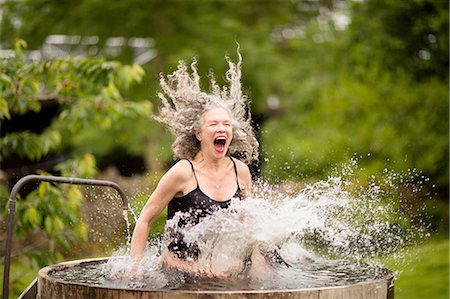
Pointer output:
220, 128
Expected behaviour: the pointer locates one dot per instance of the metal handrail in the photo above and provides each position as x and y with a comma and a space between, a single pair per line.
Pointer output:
12, 207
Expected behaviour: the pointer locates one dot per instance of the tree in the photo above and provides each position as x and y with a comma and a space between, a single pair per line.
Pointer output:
87, 89
402, 36
88, 92
365, 97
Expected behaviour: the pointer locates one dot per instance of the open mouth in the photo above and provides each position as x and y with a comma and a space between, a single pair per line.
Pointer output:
219, 143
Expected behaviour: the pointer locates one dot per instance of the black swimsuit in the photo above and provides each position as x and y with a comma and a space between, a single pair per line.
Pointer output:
195, 205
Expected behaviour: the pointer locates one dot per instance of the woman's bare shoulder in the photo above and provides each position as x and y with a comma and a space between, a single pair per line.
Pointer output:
181, 170
243, 172
241, 166
244, 177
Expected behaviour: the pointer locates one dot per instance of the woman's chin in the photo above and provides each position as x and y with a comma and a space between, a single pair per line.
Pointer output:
220, 153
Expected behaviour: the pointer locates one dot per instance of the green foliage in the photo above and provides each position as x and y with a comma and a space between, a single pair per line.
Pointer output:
89, 94
391, 119
56, 214
426, 265
365, 100
20, 278
49, 219
206, 29
328, 81
87, 89
78, 166
18, 84
406, 36
29, 145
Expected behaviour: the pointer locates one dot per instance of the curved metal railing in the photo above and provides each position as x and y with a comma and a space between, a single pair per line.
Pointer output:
12, 207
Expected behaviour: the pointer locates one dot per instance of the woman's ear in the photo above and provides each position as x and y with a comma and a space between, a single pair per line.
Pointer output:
198, 136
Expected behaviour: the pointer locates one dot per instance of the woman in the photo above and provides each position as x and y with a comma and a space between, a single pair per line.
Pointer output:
209, 128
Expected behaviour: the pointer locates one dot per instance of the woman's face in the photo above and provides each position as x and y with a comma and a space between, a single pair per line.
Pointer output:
216, 132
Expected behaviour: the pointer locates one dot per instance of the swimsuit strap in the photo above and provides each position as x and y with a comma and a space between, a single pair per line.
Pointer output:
195, 176
235, 171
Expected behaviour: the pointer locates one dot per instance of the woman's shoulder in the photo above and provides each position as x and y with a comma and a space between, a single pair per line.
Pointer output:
238, 162
241, 167
181, 165
181, 170
244, 177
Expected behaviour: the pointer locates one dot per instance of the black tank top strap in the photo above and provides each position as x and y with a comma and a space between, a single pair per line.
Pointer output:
193, 171
235, 171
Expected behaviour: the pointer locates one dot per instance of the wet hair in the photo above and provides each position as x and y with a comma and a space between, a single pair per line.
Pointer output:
183, 103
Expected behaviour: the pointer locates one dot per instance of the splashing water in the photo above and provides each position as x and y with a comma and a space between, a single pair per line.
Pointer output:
327, 234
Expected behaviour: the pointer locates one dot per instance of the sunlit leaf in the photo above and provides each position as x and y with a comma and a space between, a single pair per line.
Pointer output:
48, 225
4, 109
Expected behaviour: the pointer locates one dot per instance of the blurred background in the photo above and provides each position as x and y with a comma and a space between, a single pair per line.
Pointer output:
330, 81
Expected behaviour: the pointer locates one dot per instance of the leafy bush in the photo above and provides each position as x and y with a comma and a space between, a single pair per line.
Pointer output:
89, 94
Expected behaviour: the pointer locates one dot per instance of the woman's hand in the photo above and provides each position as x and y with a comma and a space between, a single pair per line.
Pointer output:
134, 273
127, 273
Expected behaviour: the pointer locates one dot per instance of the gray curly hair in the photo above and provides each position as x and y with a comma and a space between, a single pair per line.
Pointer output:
183, 104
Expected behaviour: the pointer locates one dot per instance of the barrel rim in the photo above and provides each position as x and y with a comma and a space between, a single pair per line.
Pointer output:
45, 273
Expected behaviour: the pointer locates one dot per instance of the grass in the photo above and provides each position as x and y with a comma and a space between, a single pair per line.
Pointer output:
426, 274
21, 275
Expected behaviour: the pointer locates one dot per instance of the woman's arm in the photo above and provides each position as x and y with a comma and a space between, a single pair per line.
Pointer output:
171, 184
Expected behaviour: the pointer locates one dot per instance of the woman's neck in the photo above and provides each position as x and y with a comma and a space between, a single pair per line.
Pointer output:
214, 164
